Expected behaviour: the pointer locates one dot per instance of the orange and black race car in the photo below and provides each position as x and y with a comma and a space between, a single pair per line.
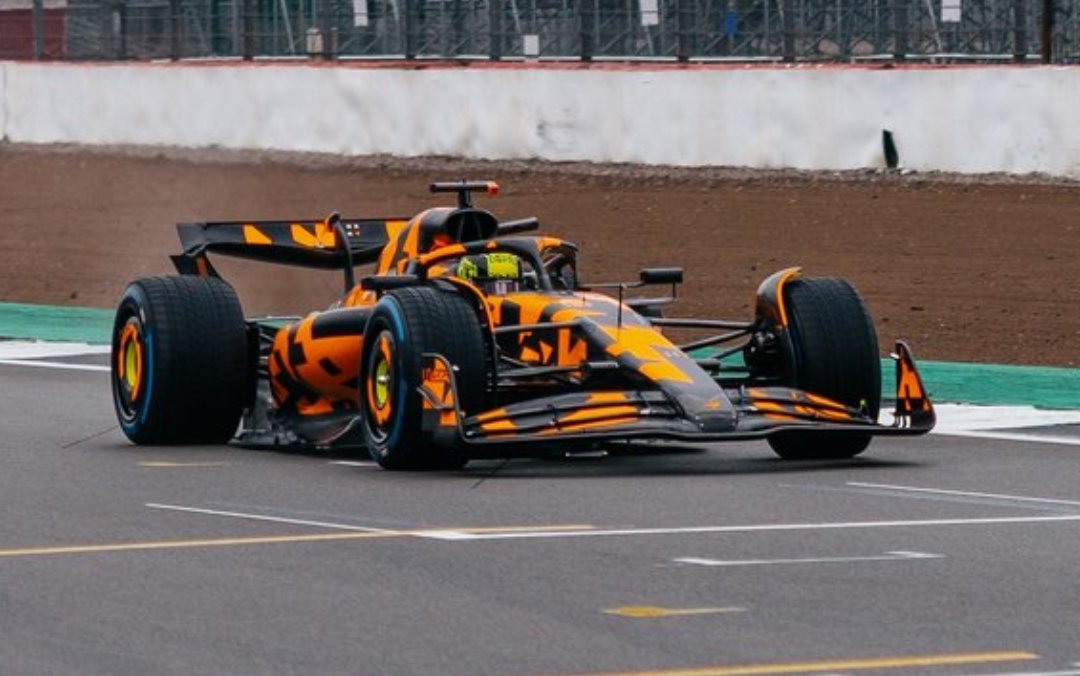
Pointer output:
475, 338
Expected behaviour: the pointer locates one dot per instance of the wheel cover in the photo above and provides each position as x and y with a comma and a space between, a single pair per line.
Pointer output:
129, 366
379, 386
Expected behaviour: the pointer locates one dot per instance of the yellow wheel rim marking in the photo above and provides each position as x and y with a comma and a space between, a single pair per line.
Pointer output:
382, 383
130, 360
378, 384
131, 366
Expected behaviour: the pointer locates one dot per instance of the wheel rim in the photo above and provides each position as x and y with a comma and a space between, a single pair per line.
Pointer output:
130, 367
380, 386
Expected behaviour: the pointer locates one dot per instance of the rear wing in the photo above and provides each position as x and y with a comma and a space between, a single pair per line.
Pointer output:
308, 243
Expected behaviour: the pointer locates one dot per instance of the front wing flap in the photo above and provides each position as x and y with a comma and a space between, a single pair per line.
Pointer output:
600, 416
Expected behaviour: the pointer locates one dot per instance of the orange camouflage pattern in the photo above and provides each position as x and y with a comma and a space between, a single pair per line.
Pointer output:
572, 365
314, 363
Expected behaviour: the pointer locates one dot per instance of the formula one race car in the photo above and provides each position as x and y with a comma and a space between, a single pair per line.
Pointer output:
472, 339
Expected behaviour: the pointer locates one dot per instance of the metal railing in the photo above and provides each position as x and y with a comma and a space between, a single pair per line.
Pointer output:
742, 30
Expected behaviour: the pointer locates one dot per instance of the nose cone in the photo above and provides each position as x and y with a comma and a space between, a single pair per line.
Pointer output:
629, 339
712, 414
650, 353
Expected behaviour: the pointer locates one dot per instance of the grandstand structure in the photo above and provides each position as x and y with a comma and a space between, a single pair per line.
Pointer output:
846, 31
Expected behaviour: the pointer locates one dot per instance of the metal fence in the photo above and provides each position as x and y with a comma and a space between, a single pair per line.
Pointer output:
742, 30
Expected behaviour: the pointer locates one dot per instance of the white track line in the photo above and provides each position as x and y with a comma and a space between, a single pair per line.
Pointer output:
1015, 436
1004, 423
887, 556
53, 365
29, 349
33, 353
972, 418
966, 494
265, 517
1037, 673
461, 536
767, 528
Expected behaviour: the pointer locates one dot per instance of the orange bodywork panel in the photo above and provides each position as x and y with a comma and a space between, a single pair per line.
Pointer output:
315, 363
788, 404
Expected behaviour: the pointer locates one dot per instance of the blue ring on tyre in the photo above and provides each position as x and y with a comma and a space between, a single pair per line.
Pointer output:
399, 329
149, 365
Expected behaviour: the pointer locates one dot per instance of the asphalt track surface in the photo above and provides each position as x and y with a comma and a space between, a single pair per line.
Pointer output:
939, 555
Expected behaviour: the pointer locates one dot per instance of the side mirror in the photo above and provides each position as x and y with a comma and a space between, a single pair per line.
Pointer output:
661, 276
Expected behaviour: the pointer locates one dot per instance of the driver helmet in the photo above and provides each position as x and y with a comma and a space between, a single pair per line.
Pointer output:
495, 273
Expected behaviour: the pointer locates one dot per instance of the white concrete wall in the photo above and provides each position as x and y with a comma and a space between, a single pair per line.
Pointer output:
966, 119
3, 103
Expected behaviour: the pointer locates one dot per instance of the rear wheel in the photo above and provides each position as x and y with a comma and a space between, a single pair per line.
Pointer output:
832, 351
180, 371
405, 324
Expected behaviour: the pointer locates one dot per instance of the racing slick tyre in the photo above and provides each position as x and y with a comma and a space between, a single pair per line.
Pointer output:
180, 368
833, 351
404, 325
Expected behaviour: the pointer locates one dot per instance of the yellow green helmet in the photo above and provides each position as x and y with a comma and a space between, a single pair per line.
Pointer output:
495, 272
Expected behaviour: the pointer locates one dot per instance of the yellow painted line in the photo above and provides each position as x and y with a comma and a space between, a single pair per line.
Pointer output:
838, 665
248, 541
188, 544
649, 612
166, 463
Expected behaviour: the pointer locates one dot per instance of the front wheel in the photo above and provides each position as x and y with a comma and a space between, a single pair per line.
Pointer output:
405, 324
832, 351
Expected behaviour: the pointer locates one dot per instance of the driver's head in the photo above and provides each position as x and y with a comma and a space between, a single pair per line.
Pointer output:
496, 273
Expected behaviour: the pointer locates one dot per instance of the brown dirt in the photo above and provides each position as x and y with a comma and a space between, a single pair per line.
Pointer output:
965, 269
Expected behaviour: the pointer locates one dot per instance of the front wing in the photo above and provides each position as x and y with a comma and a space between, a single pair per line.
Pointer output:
650, 414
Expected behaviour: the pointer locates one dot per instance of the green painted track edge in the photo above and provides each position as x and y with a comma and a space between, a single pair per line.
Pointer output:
55, 323
992, 384
957, 382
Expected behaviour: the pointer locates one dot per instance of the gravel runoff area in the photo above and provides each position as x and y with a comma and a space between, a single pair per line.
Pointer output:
965, 268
